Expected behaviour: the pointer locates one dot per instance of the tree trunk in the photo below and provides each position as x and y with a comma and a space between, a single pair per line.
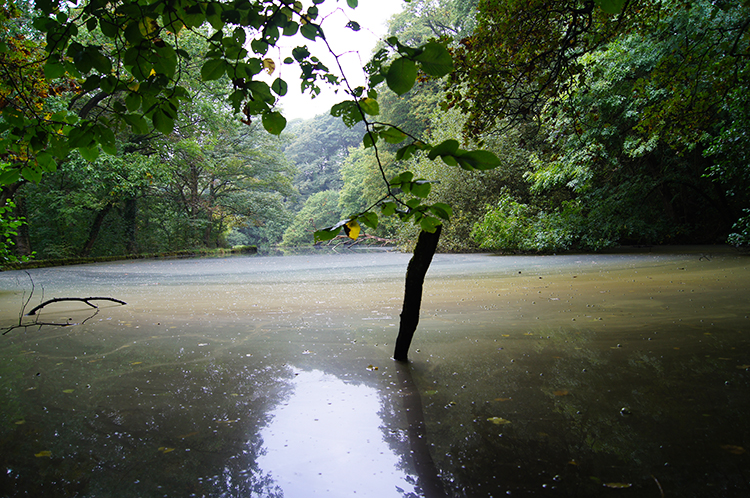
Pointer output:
94, 230
415, 273
130, 214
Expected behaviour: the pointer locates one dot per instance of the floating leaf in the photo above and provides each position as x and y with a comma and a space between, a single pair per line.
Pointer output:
734, 450
498, 420
68, 391
136, 363
617, 485
164, 449
188, 435
743, 367
430, 392
561, 392
502, 399
20, 422
371, 368
45, 453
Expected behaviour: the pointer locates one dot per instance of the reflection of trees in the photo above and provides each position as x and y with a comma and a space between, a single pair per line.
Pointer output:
568, 436
181, 429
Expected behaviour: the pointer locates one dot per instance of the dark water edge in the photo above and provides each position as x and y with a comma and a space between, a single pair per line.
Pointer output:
576, 375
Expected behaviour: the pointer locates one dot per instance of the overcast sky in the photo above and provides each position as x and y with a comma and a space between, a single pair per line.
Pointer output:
371, 15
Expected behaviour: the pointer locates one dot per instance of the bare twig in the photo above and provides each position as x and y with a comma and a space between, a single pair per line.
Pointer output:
82, 299
36, 323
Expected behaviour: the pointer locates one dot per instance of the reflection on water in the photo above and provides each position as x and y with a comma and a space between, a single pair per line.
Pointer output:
254, 376
326, 439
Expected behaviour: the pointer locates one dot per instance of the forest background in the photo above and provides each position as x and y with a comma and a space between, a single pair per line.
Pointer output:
610, 129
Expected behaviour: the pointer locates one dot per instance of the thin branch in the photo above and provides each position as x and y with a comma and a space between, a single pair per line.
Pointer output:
81, 299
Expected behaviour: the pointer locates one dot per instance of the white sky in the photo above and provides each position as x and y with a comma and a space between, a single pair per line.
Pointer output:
371, 15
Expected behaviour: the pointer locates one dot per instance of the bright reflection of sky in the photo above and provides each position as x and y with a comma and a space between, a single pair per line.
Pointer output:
327, 440
355, 48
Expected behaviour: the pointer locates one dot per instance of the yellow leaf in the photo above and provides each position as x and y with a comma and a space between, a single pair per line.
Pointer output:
502, 399
45, 453
352, 229
561, 392
498, 420
743, 367
371, 368
164, 449
136, 363
20, 422
734, 450
269, 65
617, 485
68, 391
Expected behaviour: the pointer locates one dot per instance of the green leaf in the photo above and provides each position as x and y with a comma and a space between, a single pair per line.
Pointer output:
53, 69
370, 106
401, 75
611, 6
137, 123
429, 224
162, 122
274, 122
448, 147
353, 25
31, 174
421, 188
406, 152
435, 59
89, 153
441, 210
327, 233
279, 87
9, 177
388, 208
259, 46
213, 69
309, 31
368, 141
352, 3
401, 179
393, 135
479, 159
369, 219
348, 112
133, 101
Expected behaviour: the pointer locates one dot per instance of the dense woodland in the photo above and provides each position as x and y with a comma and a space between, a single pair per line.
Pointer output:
611, 128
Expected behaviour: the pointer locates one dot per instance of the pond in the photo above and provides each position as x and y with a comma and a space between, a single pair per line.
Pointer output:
572, 375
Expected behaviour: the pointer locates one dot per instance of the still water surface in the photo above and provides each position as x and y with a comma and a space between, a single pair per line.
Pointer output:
578, 375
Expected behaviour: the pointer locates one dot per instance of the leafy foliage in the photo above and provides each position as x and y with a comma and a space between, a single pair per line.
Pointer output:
319, 211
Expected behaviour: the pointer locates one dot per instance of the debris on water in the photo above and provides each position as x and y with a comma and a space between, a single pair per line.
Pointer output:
617, 485
498, 420
733, 449
624, 411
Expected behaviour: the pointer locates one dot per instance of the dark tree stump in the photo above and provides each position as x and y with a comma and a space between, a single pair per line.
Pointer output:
415, 273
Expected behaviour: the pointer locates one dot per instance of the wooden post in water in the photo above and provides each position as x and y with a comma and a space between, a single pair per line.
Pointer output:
415, 273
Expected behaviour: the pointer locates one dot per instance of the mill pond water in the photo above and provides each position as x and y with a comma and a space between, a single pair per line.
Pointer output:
621, 374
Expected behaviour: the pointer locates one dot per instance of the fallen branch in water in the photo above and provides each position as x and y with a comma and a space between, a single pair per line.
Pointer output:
68, 323
81, 299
